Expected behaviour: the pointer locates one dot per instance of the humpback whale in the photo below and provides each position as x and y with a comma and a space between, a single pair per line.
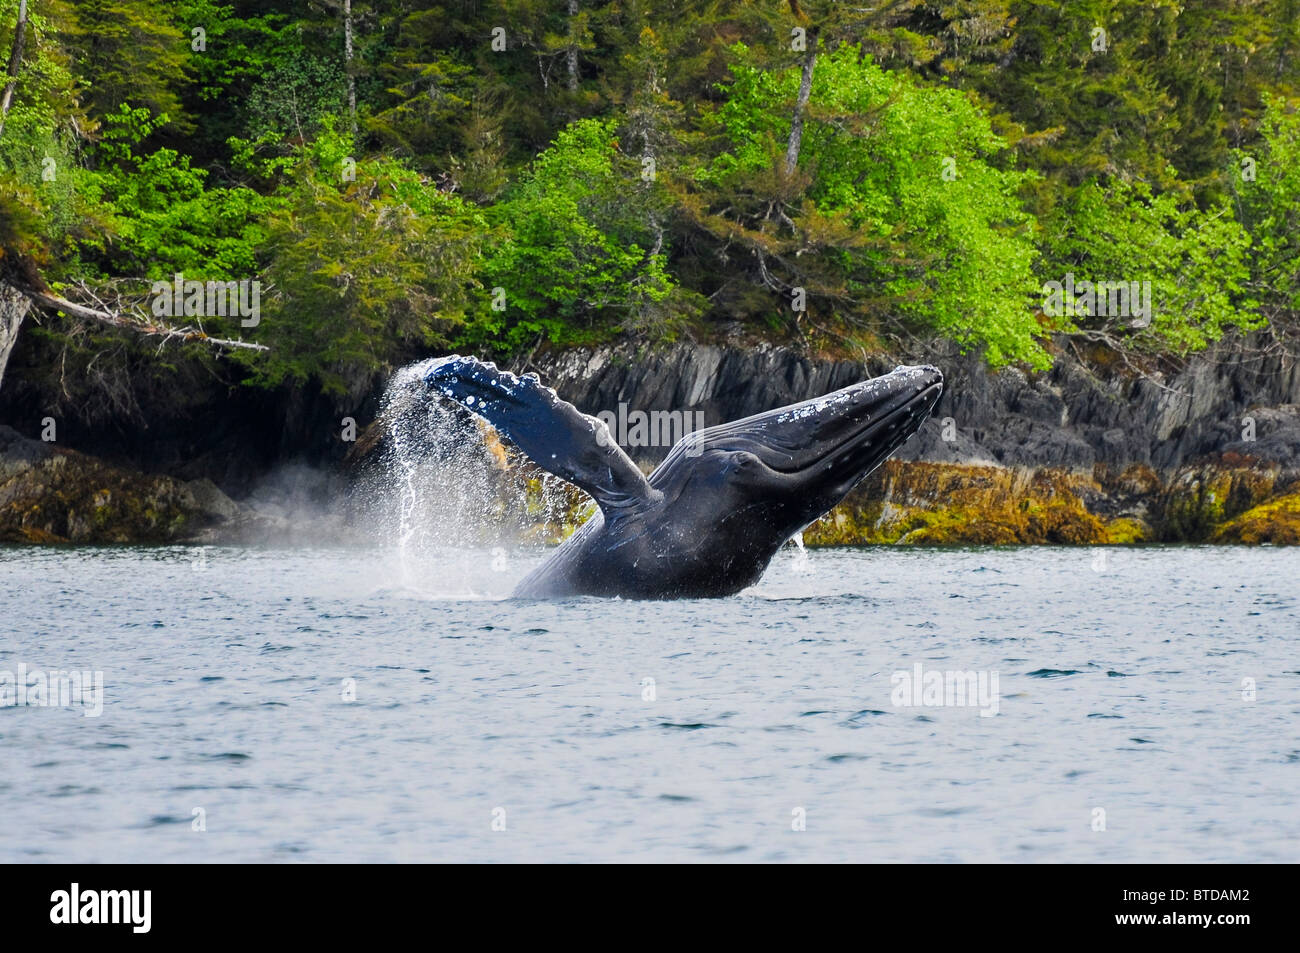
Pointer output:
710, 518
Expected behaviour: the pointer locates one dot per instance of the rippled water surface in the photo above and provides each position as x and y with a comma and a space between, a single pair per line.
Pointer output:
1121, 690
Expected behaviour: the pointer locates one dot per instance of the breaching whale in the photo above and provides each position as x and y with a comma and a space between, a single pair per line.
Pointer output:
711, 517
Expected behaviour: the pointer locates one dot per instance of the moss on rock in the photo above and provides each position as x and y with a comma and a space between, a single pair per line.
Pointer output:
1126, 530
1201, 499
1276, 521
953, 504
950, 504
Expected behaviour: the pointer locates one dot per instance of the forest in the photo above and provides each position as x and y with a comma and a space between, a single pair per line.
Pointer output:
398, 178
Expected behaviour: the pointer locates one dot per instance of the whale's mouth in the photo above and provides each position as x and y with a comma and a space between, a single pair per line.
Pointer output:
826, 445
857, 442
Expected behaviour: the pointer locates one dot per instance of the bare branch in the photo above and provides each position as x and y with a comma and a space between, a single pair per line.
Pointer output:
117, 320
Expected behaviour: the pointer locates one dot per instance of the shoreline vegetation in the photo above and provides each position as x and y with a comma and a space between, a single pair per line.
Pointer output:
1091, 213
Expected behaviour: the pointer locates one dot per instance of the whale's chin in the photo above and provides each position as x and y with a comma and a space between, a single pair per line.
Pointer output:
866, 443
818, 450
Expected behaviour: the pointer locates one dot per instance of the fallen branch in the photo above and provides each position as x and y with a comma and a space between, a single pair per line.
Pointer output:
117, 320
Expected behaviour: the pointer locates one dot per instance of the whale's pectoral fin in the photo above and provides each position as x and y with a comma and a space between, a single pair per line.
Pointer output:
553, 433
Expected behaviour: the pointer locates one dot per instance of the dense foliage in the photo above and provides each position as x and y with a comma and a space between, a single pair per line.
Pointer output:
498, 174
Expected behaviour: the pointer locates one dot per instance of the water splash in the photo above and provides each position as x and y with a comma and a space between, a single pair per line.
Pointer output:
456, 504
800, 562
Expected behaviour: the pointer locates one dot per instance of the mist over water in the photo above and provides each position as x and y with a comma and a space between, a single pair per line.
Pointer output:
1120, 690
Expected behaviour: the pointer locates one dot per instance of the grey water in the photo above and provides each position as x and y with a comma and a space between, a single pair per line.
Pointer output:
353, 704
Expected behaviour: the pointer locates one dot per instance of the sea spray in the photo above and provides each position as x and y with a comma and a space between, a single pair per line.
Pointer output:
800, 562
451, 498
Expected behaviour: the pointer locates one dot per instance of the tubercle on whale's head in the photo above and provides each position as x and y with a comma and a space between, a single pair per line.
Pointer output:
788, 466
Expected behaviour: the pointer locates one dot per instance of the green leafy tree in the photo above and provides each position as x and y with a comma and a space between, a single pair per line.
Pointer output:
580, 255
623, 167
368, 266
162, 219
41, 212
1195, 262
1267, 185
296, 96
132, 51
241, 53
903, 210
429, 83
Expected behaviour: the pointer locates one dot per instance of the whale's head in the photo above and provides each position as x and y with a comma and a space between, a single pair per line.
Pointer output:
781, 470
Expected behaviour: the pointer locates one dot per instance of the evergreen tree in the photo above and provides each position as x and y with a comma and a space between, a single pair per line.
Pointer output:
135, 52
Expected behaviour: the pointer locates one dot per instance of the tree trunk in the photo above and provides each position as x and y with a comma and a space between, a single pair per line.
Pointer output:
15, 58
572, 54
801, 104
13, 308
347, 57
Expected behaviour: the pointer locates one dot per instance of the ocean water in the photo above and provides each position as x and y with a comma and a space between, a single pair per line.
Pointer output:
345, 704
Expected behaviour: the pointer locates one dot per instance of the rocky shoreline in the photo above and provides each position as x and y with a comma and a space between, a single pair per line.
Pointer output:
49, 494
1080, 454
1087, 453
